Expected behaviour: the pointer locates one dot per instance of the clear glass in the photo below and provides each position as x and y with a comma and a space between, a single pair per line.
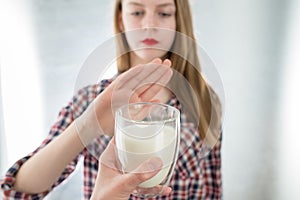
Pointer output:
145, 130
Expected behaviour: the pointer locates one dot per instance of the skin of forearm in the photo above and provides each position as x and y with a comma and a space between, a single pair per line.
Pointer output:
40, 172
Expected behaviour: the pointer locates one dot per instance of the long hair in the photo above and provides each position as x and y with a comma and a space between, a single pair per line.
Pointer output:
199, 102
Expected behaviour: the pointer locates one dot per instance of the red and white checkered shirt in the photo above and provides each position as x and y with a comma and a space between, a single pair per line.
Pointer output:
196, 176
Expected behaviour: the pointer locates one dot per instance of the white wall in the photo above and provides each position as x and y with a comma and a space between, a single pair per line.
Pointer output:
3, 148
20, 81
246, 40
288, 141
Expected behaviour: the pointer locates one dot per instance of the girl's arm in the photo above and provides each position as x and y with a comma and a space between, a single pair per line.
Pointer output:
42, 170
141, 83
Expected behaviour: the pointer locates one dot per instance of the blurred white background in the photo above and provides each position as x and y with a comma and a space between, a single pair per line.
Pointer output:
254, 43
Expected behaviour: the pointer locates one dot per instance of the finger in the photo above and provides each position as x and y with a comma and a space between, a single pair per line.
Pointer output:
136, 80
133, 72
155, 101
147, 93
146, 74
145, 171
155, 190
156, 61
167, 191
141, 113
129, 75
167, 62
161, 76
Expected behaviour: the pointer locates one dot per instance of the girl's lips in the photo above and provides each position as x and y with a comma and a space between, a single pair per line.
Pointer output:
150, 41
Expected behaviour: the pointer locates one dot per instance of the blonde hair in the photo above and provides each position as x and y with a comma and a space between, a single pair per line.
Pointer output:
203, 108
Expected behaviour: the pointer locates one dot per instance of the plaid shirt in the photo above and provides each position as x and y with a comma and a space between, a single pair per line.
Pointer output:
196, 176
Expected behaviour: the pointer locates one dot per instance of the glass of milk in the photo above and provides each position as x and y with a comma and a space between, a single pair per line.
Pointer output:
145, 130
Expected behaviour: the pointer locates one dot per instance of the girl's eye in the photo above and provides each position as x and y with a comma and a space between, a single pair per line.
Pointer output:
165, 14
137, 13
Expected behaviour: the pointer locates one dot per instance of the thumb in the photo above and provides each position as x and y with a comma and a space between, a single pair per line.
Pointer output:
145, 171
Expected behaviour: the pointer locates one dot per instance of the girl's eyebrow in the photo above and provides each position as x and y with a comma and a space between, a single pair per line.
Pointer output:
166, 4
160, 5
135, 4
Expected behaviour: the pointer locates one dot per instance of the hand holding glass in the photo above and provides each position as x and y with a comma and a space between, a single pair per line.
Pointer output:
145, 130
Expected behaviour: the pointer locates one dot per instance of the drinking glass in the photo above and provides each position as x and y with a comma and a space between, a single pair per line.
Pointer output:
145, 130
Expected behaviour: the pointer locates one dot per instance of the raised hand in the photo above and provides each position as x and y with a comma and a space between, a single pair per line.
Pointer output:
139, 84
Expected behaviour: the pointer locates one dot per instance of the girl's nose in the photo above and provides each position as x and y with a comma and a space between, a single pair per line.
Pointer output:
149, 21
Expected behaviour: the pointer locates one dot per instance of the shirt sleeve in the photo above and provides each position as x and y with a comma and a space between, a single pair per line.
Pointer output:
66, 116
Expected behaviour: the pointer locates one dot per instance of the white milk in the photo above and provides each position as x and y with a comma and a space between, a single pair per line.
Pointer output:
137, 143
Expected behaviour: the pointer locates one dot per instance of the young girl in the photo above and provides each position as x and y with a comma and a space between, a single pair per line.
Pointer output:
149, 30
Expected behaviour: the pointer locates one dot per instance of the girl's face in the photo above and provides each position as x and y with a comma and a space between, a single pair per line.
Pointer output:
150, 27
